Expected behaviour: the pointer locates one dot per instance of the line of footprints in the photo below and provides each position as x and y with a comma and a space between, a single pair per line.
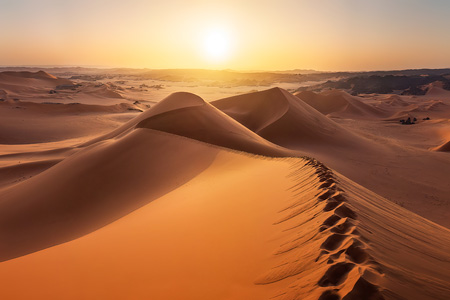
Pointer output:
344, 248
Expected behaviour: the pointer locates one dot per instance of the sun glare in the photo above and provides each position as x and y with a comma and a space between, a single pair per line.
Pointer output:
216, 45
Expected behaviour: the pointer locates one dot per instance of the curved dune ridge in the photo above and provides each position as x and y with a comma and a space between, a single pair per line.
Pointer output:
191, 200
201, 121
188, 115
171, 102
394, 100
102, 90
445, 147
340, 104
283, 119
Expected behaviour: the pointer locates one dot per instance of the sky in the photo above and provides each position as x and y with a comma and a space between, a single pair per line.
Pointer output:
328, 35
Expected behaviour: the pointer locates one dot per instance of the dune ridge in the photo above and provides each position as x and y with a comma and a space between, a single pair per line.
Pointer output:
445, 147
338, 103
291, 122
335, 244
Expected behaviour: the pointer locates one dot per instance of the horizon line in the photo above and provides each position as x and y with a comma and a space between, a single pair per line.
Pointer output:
212, 69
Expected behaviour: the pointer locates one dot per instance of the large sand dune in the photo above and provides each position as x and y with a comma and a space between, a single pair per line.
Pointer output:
191, 200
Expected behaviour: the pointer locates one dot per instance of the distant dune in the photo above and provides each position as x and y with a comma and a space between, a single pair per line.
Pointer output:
445, 147
340, 104
283, 119
39, 78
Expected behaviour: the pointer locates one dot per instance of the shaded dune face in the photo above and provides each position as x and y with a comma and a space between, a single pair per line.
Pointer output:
94, 187
201, 121
172, 102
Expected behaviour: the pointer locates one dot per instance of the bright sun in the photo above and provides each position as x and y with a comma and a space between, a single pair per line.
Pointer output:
217, 44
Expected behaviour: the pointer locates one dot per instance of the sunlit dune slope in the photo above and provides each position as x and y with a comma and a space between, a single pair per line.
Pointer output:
246, 228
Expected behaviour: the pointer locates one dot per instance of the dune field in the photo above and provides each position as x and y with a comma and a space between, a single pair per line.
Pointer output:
123, 189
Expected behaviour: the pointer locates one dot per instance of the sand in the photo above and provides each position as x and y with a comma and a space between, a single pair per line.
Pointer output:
258, 196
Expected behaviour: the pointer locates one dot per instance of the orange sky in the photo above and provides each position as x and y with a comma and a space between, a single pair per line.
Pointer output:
255, 35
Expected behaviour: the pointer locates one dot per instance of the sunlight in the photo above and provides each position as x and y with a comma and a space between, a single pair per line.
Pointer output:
217, 44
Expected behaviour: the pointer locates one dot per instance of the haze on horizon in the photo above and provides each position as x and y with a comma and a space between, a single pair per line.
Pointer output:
251, 35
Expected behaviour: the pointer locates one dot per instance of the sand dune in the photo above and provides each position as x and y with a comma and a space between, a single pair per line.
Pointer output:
338, 103
22, 75
202, 121
323, 238
445, 147
394, 100
18, 81
191, 200
189, 115
91, 191
437, 91
38, 107
43, 87
283, 119
100, 90
194, 119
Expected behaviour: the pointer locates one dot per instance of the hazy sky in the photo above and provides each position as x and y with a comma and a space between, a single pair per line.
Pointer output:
232, 34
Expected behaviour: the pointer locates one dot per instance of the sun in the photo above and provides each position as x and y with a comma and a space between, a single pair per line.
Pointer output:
217, 44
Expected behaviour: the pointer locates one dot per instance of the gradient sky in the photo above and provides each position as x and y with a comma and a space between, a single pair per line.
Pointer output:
263, 35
